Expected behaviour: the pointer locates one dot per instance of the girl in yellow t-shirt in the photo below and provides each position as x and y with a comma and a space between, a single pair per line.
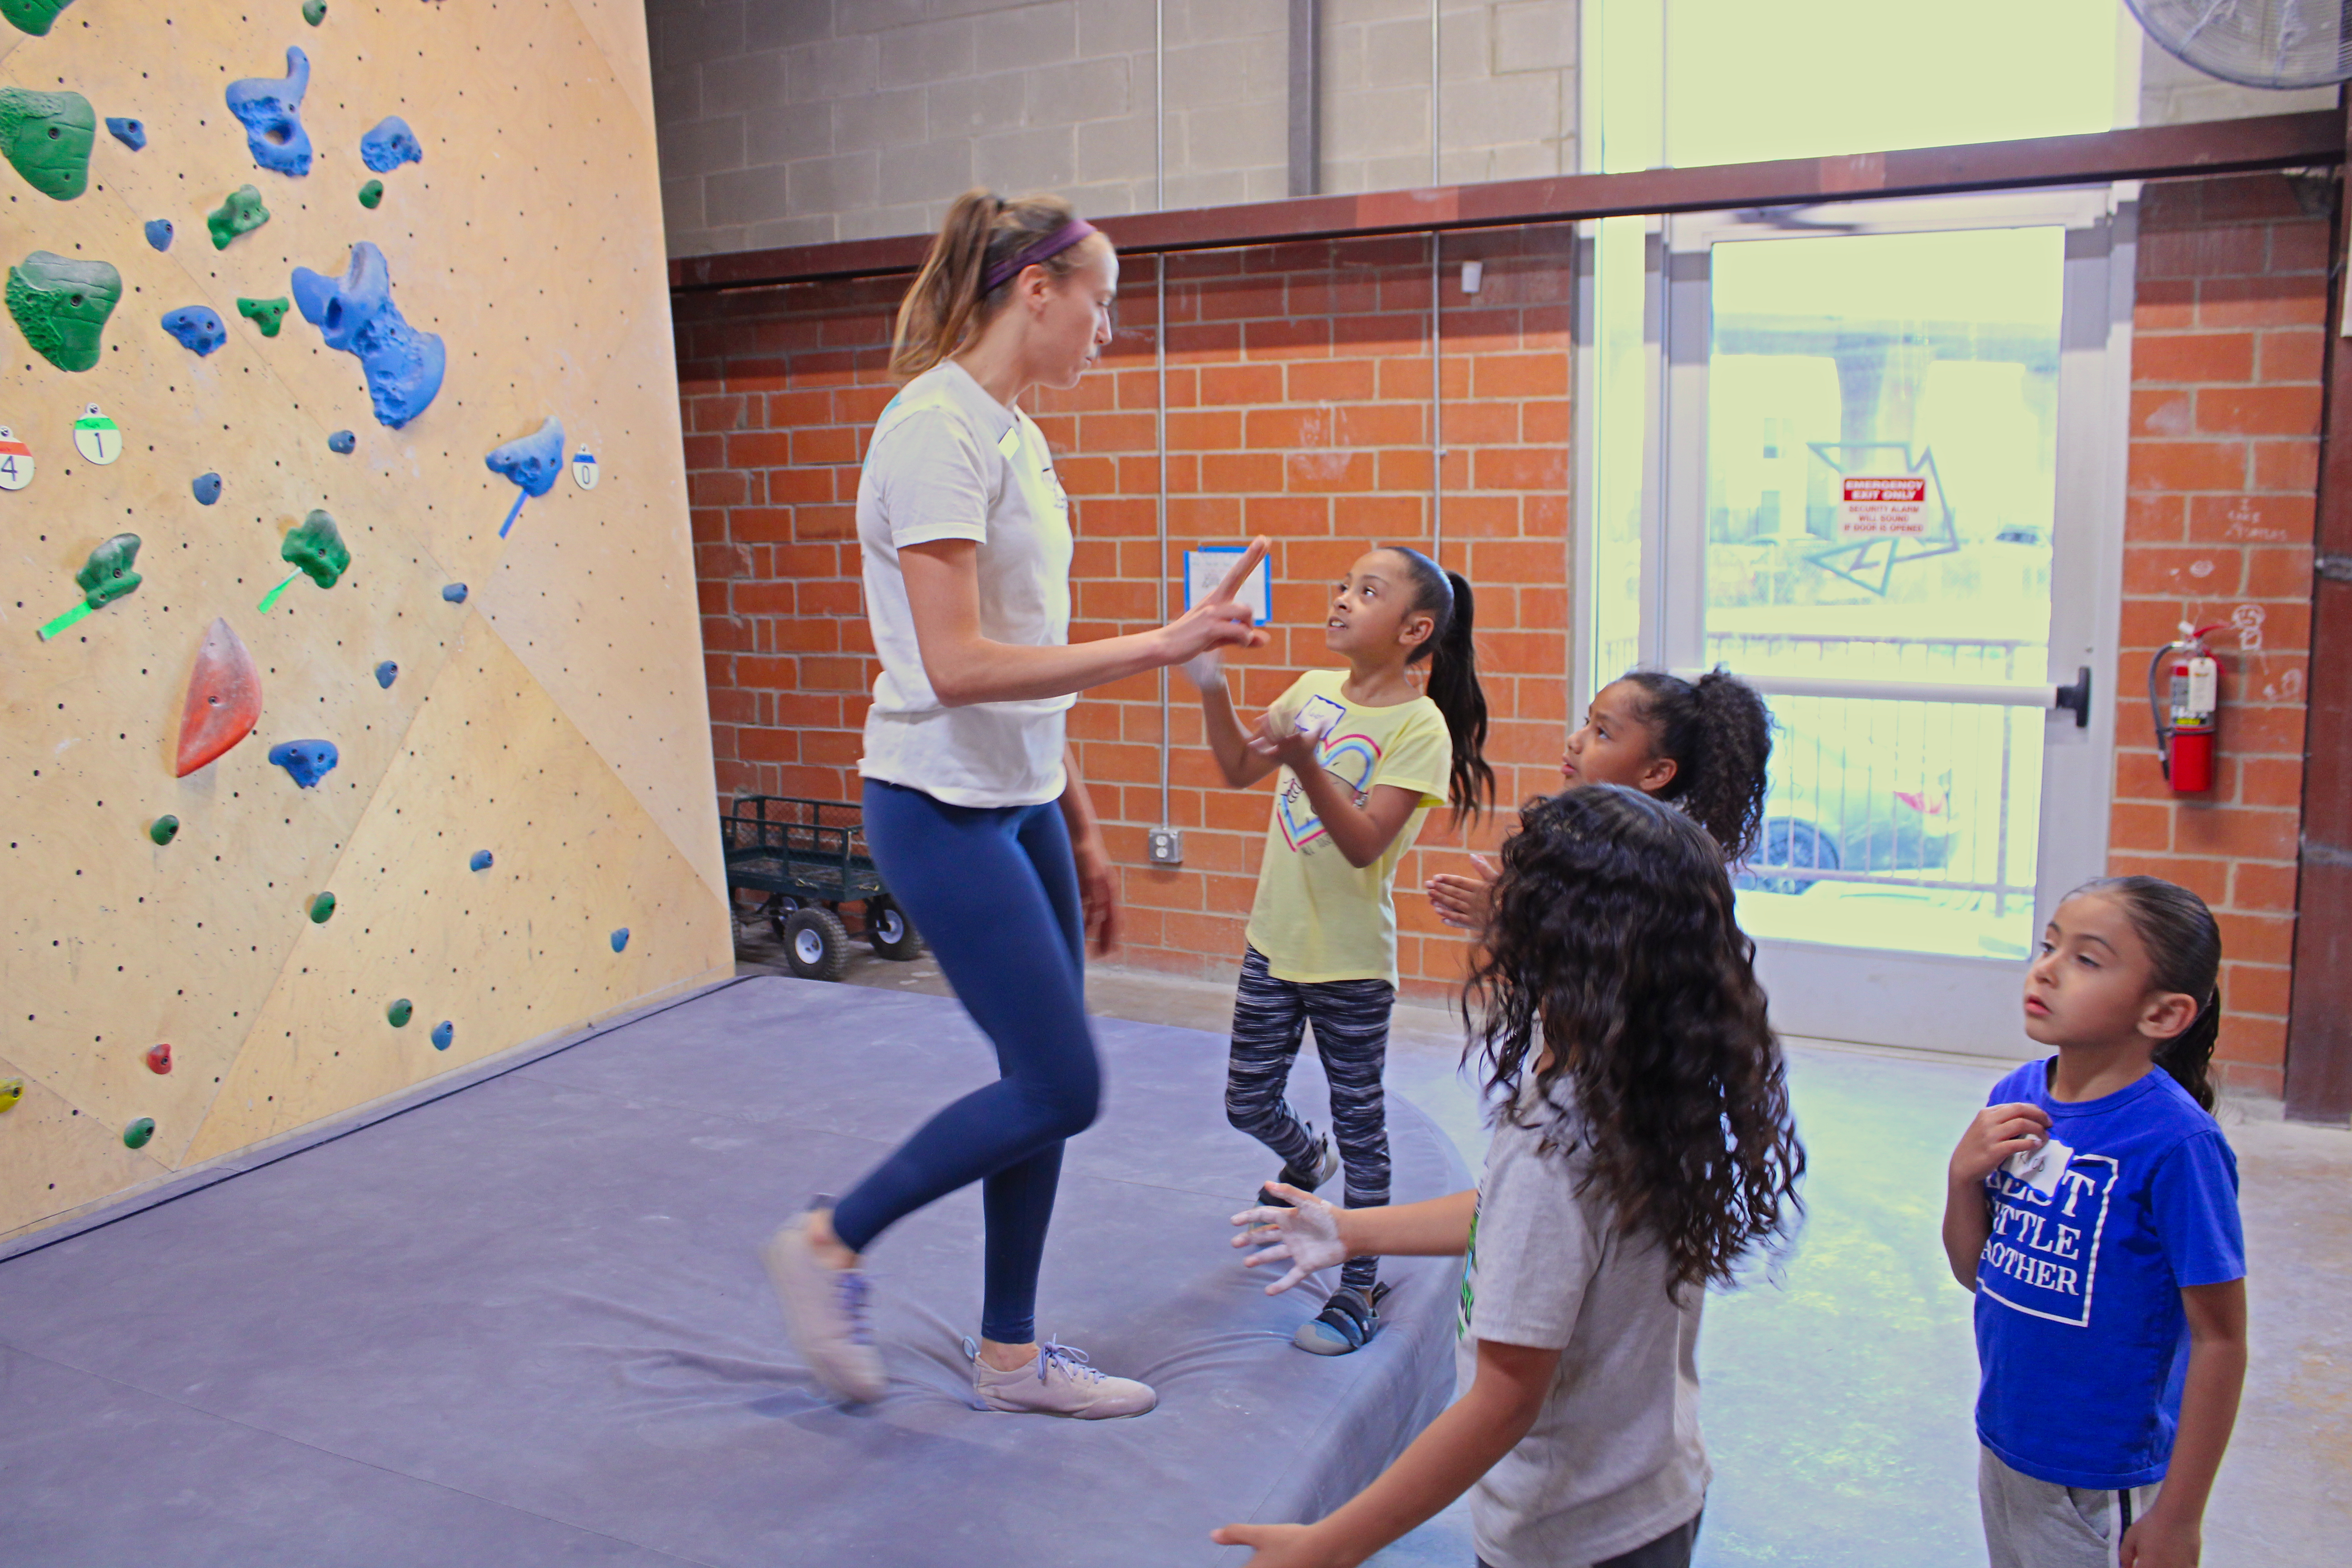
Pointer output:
1363, 755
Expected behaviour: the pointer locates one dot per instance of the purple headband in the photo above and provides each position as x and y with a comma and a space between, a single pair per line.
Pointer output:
1054, 244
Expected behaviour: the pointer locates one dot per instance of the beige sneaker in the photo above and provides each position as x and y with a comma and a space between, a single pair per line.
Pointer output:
1059, 1383
825, 1313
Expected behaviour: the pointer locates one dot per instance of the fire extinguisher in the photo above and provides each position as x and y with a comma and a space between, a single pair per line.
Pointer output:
2184, 698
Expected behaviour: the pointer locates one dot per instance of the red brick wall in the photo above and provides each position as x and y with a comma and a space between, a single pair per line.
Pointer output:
2229, 331
1299, 406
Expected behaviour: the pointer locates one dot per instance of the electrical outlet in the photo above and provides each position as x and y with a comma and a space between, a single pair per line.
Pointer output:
1167, 847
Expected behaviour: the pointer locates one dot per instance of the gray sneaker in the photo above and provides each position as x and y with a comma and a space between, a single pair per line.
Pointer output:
1327, 1165
825, 1312
1059, 1383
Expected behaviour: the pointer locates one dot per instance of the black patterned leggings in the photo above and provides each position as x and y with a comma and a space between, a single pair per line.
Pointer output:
1351, 1035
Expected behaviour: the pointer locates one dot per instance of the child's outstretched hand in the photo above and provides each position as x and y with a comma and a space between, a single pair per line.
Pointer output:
1279, 1545
1279, 738
1464, 900
1998, 1131
1306, 1237
1204, 670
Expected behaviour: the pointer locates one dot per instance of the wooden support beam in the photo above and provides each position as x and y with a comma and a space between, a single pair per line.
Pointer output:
2319, 1017
2145, 153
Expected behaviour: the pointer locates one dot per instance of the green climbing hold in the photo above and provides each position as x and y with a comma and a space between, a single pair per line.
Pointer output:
400, 1012
314, 11
61, 306
164, 829
135, 1136
32, 16
317, 548
371, 192
322, 909
11, 1091
47, 137
266, 314
107, 576
242, 213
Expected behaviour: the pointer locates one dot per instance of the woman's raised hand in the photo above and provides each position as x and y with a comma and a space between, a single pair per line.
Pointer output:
1305, 1236
1463, 901
1220, 620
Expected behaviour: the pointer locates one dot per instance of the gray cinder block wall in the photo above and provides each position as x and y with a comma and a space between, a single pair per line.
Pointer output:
794, 122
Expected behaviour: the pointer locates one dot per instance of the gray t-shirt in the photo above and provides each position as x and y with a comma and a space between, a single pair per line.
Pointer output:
1614, 1459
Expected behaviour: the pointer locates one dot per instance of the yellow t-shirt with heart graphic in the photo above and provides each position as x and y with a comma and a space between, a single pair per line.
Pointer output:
1317, 918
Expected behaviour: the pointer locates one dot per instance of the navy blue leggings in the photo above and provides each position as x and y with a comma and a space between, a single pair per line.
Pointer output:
994, 893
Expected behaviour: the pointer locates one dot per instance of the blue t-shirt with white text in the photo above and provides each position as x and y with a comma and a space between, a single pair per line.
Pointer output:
2081, 1338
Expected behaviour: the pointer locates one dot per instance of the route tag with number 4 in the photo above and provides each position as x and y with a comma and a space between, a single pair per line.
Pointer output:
15, 461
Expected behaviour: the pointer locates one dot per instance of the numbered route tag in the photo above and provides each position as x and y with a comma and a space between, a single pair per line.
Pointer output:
96, 436
584, 468
15, 461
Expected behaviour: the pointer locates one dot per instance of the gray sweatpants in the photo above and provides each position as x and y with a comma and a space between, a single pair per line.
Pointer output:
2030, 1523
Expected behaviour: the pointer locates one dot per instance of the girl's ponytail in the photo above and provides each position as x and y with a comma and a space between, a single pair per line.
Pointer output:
1718, 733
1453, 657
2184, 948
946, 304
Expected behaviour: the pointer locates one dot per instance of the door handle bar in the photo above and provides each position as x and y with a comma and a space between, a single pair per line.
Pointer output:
2074, 698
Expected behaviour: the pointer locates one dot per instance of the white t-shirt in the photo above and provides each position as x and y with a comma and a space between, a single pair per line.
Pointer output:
1614, 1459
948, 461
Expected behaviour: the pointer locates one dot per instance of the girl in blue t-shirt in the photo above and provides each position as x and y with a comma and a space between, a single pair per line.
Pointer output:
2093, 1208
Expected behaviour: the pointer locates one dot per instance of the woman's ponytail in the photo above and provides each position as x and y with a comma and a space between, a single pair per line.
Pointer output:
946, 304
1452, 656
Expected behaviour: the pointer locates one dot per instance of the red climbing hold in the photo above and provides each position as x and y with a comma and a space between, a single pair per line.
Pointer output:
159, 1058
223, 699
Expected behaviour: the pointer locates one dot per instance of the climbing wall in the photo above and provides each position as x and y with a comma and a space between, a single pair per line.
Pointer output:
382, 492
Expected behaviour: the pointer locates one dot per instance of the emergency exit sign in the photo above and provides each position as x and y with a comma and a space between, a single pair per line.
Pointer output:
1880, 506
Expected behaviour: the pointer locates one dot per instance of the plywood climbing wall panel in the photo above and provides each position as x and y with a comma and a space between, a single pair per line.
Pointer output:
554, 715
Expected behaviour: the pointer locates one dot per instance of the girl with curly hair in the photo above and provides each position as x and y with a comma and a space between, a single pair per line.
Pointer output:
1701, 744
1644, 1151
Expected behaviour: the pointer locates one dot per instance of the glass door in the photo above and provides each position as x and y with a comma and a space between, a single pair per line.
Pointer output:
1892, 453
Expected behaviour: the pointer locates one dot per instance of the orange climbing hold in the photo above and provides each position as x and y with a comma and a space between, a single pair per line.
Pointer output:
159, 1058
223, 699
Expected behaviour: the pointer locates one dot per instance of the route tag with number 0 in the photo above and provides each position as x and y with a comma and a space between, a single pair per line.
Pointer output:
15, 461
584, 468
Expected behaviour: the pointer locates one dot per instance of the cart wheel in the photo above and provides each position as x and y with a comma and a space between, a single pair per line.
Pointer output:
889, 930
815, 945
779, 910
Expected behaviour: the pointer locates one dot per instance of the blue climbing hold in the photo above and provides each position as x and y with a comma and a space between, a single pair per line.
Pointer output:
390, 145
455, 593
620, 939
271, 110
532, 461
443, 1033
386, 673
341, 441
355, 313
305, 762
197, 326
130, 132
159, 233
207, 489
481, 862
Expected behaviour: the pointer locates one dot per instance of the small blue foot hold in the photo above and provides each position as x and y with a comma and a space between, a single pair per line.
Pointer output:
386, 673
305, 762
271, 110
207, 489
443, 1033
620, 939
390, 145
455, 593
342, 441
532, 461
481, 862
130, 132
355, 313
197, 326
159, 233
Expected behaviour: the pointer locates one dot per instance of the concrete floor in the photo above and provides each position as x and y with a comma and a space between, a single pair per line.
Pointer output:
1838, 1396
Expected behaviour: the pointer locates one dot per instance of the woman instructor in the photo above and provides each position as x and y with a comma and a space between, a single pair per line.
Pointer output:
975, 811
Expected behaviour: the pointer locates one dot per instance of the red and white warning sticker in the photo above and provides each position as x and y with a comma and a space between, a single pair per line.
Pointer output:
15, 461
1877, 506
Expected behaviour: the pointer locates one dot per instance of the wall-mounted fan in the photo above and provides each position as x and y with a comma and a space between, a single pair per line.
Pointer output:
2277, 44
